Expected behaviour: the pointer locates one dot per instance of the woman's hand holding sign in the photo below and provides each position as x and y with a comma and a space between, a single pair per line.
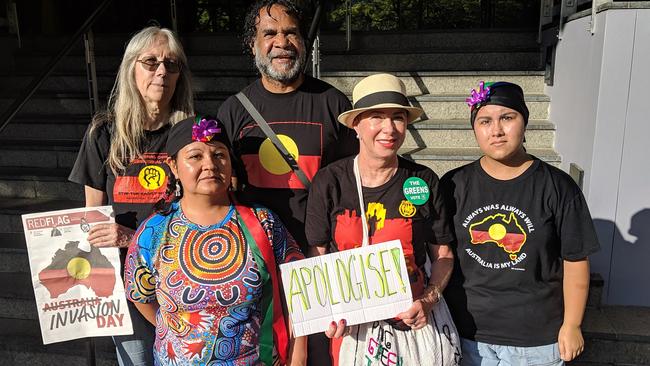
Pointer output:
338, 330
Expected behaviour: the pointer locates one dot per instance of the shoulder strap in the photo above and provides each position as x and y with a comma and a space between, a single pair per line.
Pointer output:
273, 315
293, 164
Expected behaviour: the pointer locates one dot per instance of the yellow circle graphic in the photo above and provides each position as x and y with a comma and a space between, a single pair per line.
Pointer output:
151, 177
271, 159
407, 209
78, 268
497, 231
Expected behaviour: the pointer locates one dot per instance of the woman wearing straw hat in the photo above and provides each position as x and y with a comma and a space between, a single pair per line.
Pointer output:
204, 269
523, 230
363, 201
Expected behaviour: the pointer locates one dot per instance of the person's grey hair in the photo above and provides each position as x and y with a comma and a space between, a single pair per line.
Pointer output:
126, 109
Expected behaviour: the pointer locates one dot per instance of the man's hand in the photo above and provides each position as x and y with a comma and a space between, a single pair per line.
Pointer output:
417, 316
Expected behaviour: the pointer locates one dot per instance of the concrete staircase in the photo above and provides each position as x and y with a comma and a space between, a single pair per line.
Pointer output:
443, 138
38, 148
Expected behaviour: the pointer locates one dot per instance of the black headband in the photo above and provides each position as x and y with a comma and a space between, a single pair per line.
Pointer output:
383, 97
205, 129
504, 94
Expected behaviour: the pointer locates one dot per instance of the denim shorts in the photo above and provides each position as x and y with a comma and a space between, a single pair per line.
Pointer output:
136, 349
485, 354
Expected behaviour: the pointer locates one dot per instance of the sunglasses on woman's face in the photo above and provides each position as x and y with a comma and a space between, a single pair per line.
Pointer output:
152, 63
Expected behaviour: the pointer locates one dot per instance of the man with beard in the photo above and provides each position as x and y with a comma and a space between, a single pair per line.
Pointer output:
300, 109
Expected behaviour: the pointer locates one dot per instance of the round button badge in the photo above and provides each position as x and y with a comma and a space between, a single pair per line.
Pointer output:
416, 191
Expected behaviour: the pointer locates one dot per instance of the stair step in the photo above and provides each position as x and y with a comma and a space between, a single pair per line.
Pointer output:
431, 39
61, 104
38, 183
449, 106
13, 259
21, 344
417, 83
330, 40
46, 127
12, 208
618, 335
459, 134
397, 60
441, 82
16, 285
226, 82
455, 107
442, 160
465, 61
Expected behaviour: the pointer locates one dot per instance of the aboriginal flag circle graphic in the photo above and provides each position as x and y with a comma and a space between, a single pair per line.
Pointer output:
271, 159
72, 266
78, 268
215, 256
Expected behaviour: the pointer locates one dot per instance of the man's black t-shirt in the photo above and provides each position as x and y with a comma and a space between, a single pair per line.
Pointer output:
305, 120
134, 192
511, 239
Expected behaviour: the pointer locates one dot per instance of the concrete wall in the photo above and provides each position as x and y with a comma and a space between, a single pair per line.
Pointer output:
600, 103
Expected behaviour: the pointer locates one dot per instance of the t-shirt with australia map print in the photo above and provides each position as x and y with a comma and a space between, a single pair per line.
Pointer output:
512, 237
133, 192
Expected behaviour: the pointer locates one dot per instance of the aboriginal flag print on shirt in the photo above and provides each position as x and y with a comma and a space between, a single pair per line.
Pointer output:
145, 180
265, 166
503, 230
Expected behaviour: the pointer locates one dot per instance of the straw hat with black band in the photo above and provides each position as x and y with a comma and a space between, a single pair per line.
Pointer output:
379, 91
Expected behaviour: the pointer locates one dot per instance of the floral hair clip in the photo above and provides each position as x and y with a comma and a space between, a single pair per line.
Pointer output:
204, 130
478, 96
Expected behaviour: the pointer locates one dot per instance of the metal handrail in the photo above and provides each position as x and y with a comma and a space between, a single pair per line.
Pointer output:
47, 70
313, 29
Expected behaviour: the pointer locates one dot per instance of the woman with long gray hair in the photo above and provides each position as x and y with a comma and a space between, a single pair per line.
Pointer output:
122, 157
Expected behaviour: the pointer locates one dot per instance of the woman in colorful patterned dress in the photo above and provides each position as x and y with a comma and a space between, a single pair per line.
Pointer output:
204, 269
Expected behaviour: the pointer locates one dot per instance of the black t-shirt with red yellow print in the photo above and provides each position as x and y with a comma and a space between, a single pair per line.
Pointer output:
512, 237
408, 207
134, 192
305, 121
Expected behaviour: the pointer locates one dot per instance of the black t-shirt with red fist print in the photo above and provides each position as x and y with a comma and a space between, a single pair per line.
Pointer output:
512, 237
134, 192
408, 207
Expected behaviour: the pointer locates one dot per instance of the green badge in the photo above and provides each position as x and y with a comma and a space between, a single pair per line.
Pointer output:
416, 191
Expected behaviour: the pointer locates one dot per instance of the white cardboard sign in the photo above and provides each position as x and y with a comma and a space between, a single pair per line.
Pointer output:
78, 288
359, 285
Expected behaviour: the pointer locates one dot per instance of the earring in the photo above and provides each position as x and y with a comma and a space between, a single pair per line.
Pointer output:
357, 136
177, 192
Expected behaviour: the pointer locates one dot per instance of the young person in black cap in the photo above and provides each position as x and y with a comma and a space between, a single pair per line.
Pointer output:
523, 233
204, 270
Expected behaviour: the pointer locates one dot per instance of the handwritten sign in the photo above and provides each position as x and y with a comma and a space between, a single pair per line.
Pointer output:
78, 288
359, 285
